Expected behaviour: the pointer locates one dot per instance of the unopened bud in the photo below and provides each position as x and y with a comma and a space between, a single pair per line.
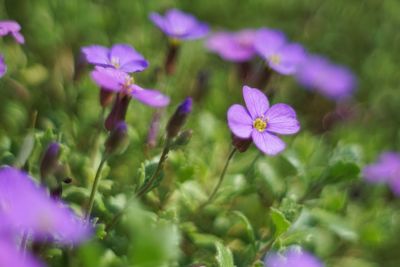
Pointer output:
241, 144
178, 119
118, 140
182, 139
106, 97
117, 112
50, 160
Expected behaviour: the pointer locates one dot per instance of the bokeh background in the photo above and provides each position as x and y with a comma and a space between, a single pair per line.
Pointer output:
315, 188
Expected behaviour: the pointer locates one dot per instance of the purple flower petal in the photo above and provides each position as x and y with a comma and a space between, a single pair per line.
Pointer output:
267, 143
292, 258
3, 66
239, 121
158, 20
256, 102
109, 79
13, 28
268, 41
10, 256
127, 58
97, 55
289, 59
149, 97
281, 119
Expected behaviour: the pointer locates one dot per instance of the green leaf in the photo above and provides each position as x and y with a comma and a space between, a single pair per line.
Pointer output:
280, 222
224, 255
26, 150
249, 229
342, 172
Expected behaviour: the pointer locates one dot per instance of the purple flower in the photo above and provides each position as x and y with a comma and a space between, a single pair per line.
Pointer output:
3, 66
121, 82
179, 25
292, 257
385, 170
333, 81
27, 208
13, 28
233, 46
281, 56
11, 257
119, 56
261, 122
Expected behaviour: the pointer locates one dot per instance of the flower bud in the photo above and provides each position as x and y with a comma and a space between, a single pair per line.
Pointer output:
178, 119
181, 140
50, 160
241, 144
118, 140
106, 97
154, 129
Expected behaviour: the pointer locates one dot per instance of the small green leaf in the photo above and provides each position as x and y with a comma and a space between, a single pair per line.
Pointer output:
342, 172
249, 229
224, 255
280, 222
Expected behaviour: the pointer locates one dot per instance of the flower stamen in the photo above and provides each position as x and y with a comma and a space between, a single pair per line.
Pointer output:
260, 125
275, 59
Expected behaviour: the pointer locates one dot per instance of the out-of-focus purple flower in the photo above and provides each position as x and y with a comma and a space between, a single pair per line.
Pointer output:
292, 258
121, 82
120, 56
11, 257
179, 25
13, 28
281, 56
3, 66
233, 46
261, 122
385, 170
333, 81
27, 208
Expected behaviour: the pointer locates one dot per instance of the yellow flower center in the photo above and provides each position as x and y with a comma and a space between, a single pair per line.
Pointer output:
260, 125
115, 62
275, 59
127, 85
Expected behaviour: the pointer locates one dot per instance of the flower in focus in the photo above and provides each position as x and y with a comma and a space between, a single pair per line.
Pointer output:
120, 56
11, 257
121, 82
13, 28
281, 56
179, 25
261, 123
25, 207
333, 81
3, 66
233, 46
292, 258
385, 170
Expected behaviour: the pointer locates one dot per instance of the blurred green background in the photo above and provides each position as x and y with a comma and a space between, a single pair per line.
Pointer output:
315, 188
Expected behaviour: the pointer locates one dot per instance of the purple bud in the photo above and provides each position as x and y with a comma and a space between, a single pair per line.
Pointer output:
178, 119
117, 141
50, 160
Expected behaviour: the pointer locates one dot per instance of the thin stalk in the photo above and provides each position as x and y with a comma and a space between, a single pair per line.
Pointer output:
220, 180
94, 187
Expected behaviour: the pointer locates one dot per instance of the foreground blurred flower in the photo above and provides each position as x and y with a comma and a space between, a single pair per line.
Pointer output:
292, 258
281, 56
27, 208
385, 170
3, 66
120, 82
179, 25
260, 122
13, 28
333, 81
233, 46
119, 56
11, 257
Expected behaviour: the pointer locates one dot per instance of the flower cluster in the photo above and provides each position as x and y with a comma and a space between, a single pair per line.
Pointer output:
13, 28
46, 219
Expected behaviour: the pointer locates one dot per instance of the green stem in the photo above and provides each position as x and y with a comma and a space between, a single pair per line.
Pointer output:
94, 187
220, 180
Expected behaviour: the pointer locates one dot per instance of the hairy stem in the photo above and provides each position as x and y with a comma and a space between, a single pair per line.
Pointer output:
94, 187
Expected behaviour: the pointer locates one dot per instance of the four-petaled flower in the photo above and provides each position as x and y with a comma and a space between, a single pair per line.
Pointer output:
385, 170
179, 25
121, 82
261, 122
13, 28
233, 46
281, 56
120, 56
292, 257
333, 81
